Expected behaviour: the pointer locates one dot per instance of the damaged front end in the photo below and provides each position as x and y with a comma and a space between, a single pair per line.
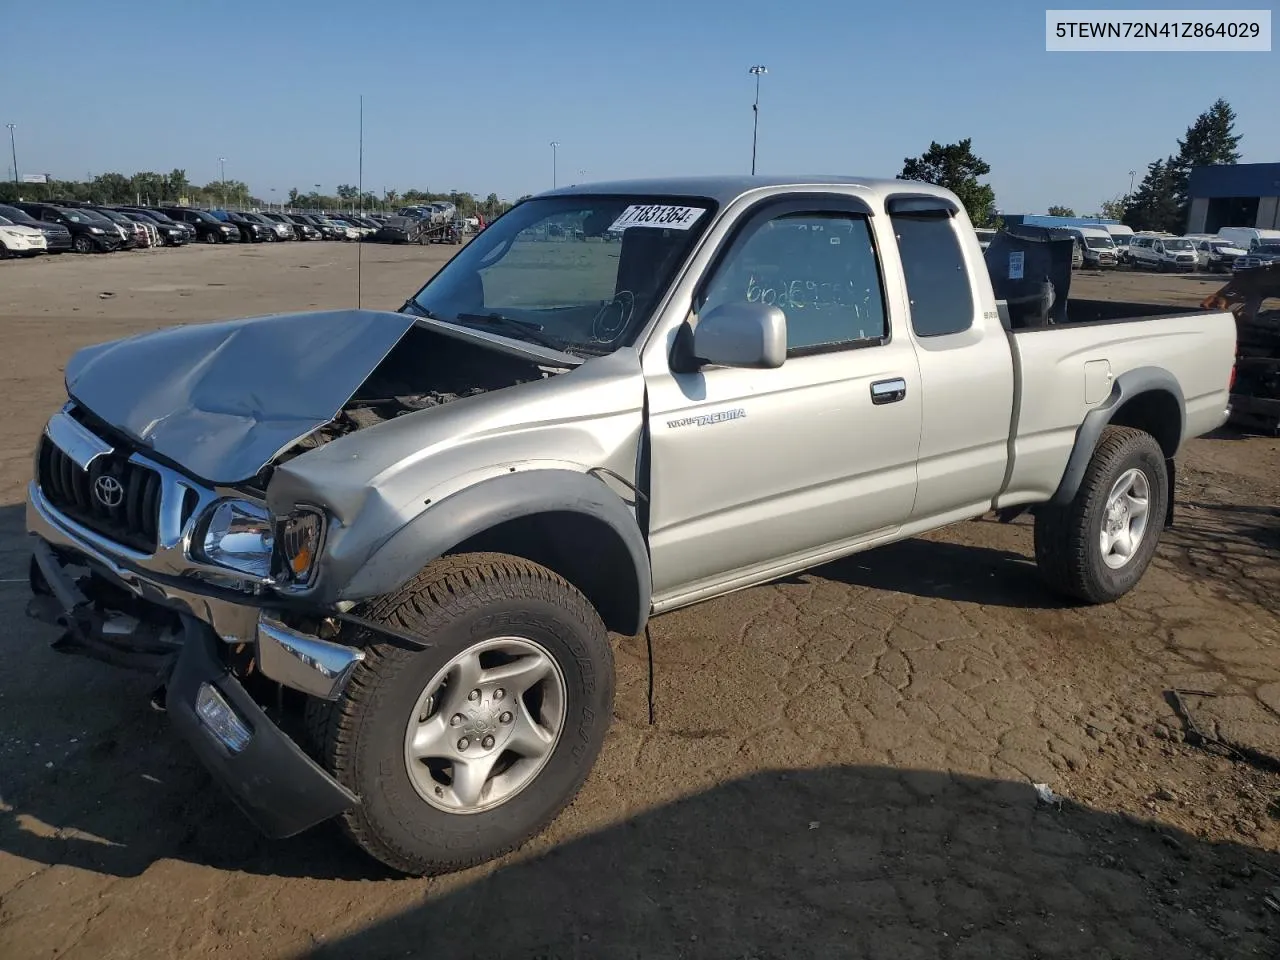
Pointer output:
149, 499
174, 531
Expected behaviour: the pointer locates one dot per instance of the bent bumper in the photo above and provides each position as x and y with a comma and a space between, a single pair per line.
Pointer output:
297, 660
275, 784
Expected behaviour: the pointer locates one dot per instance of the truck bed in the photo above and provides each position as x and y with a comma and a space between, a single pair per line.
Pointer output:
1063, 371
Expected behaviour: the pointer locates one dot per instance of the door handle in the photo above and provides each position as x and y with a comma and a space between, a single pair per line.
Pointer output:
888, 391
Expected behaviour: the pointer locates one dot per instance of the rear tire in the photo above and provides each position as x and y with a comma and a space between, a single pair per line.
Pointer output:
469, 606
1098, 546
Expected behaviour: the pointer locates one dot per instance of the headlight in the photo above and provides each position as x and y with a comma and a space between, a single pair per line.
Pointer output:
300, 535
95, 230
239, 535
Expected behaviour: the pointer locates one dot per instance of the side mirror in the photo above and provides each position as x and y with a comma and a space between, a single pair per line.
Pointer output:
742, 335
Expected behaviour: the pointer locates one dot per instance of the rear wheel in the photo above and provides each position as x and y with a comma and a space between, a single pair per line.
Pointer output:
1098, 546
463, 751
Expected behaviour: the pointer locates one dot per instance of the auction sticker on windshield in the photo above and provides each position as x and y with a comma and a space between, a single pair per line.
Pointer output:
658, 215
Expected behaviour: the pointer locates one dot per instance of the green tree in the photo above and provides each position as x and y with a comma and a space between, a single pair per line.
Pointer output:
1154, 205
956, 167
1060, 211
1209, 141
1113, 209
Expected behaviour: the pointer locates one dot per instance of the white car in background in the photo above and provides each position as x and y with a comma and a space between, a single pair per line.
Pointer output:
1214, 253
20, 241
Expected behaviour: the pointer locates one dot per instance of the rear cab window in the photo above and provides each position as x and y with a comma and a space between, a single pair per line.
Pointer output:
936, 272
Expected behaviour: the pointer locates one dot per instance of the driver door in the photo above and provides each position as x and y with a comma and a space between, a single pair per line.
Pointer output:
754, 472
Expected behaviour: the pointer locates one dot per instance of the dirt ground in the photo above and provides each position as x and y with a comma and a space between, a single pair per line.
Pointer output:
842, 763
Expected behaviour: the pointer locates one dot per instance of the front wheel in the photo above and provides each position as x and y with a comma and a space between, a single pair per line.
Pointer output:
463, 751
1098, 546
82, 244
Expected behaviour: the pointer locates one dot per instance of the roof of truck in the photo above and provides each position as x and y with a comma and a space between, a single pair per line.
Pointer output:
725, 189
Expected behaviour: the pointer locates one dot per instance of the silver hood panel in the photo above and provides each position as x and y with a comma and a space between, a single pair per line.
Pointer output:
222, 399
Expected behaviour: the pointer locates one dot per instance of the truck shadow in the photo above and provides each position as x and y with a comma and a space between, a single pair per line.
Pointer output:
947, 571
851, 861
836, 861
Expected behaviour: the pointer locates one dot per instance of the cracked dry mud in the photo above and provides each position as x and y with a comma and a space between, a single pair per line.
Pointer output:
842, 763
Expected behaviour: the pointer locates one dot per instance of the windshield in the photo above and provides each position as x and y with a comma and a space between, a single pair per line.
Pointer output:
1122, 240
583, 272
6, 223
14, 215
75, 216
1219, 245
1099, 243
1178, 244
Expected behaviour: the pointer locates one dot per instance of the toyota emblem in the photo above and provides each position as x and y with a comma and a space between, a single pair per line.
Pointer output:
109, 491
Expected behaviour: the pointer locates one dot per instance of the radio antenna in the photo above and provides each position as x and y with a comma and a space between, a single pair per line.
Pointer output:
360, 194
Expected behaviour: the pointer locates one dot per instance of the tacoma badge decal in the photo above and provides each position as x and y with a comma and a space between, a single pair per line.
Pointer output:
708, 418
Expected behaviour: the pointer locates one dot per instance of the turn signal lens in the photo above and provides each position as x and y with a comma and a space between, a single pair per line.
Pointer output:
300, 542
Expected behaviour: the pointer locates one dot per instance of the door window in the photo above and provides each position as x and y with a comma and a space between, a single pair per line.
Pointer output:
820, 269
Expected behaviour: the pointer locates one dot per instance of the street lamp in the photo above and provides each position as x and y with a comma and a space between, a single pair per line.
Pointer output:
757, 71
222, 174
554, 145
319, 205
1132, 174
14, 150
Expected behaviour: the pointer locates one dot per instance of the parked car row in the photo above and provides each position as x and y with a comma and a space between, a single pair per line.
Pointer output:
30, 228
1231, 249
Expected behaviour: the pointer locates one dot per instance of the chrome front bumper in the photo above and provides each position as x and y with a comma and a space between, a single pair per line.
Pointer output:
298, 660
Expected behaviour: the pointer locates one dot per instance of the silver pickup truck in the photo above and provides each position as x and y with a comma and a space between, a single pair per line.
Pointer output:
374, 557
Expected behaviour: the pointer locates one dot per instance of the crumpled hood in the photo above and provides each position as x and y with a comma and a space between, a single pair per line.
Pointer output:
223, 399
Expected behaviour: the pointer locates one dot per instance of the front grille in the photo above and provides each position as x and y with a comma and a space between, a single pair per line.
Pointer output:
132, 521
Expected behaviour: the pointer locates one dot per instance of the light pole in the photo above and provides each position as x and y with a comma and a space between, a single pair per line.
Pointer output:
14, 149
757, 71
554, 145
319, 205
222, 176
1132, 174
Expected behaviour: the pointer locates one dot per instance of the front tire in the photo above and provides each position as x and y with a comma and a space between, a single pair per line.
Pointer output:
1097, 547
463, 751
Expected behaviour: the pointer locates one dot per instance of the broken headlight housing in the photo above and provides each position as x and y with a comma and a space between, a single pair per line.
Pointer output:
242, 535
238, 535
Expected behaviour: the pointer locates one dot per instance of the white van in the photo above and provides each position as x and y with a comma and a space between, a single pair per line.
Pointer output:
1097, 246
1246, 238
1163, 252
1121, 237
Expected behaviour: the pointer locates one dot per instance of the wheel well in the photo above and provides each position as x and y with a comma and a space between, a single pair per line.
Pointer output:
1156, 412
585, 551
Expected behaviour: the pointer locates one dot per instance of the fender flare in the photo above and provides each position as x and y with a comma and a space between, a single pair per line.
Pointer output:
489, 503
1126, 386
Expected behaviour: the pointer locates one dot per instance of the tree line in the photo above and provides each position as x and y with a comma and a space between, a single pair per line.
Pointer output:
1161, 202
168, 189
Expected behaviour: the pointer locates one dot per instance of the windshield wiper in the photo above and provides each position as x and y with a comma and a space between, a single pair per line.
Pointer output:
526, 328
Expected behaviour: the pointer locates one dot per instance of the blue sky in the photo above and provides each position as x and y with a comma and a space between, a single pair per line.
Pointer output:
468, 96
